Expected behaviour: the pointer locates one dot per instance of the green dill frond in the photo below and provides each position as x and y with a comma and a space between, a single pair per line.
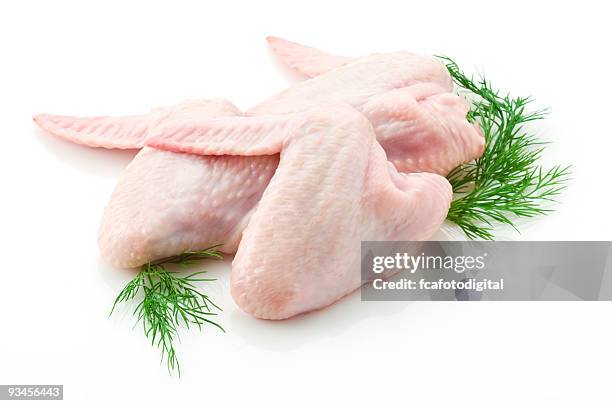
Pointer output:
506, 182
168, 300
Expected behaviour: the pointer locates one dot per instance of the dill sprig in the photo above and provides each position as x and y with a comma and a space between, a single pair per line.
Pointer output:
168, 300
506, 182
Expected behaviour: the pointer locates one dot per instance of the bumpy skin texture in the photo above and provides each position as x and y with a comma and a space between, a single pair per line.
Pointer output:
129, 132
187, 202
166, 203
357, 82
333, 188
421, 126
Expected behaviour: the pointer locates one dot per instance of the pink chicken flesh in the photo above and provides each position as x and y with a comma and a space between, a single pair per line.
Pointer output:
169, 202
332, 189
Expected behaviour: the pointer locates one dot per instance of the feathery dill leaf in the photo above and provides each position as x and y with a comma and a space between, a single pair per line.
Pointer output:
168, 300
506, 182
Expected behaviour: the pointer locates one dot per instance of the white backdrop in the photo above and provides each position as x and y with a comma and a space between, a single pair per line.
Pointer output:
87, 58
